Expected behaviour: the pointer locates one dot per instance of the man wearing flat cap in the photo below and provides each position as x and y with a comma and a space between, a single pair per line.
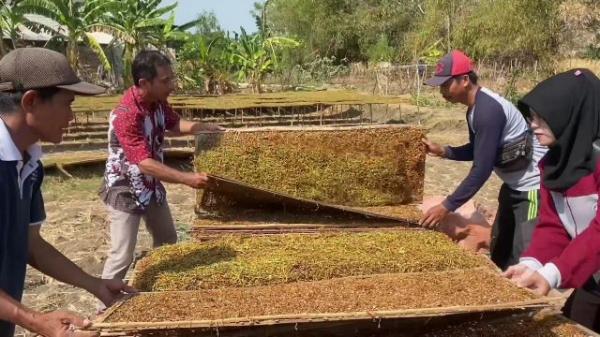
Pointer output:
37, 87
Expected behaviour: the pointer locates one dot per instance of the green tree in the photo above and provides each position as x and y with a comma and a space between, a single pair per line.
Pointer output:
137, 24
208, 63
345, 29
256, 56
79, 19
260, 14
512, 29
357, 30
381, 51
172, 35
208, 25
11, 16
435, 21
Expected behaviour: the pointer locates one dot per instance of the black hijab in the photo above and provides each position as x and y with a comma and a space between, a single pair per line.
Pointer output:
570, 103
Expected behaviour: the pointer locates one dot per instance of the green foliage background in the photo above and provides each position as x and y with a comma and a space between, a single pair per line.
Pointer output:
406, 30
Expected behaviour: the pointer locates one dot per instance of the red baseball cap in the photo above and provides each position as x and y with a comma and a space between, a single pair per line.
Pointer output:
452, 64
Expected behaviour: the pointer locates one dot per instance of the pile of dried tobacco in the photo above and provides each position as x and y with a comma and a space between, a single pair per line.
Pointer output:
234, 261
450, 289
353, 167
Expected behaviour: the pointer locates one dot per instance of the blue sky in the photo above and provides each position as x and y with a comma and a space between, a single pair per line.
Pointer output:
231, 13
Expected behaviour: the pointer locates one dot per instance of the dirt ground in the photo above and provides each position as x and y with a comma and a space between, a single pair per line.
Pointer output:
77, 225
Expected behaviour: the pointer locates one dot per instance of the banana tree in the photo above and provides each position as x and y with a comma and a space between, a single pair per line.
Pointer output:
73, 21
256, 56
173, 35
207, 62
137, 24
11, 17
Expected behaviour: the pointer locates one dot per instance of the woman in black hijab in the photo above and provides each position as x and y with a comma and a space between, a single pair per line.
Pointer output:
564, 114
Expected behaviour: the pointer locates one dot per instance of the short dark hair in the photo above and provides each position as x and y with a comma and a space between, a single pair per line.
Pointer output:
145, 64
11, 100
473, 78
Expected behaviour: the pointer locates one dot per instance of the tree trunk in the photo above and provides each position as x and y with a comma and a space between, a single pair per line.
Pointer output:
128, 60
2, 47
14, 38
256, 82
73, 53
264, 19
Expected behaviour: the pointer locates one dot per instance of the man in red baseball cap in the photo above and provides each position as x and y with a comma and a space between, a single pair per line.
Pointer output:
499, 141
456, 63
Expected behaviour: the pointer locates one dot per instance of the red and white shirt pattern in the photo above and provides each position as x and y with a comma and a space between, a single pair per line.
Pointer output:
136, 132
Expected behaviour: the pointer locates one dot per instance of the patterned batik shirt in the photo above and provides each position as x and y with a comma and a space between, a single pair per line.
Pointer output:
136, 132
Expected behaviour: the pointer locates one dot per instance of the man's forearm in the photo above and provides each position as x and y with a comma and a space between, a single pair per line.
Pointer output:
188, 127
15, 312
194, 128
47, 259
162, 172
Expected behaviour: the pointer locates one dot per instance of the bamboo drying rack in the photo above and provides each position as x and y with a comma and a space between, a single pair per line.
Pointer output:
247, 194
294, 320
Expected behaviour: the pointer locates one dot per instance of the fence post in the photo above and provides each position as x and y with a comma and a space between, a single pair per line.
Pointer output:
418, 78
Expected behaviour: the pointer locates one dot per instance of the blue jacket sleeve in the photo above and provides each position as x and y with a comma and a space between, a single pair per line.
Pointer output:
463, 152
488, 124
460, 153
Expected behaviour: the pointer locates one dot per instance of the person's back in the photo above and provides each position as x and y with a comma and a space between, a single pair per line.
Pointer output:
514, 129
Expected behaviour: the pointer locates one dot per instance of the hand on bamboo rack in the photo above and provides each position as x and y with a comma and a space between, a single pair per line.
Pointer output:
434, 216
110, 291
61, 324
194, 128
526, 277
518, 272
196, 180
434, 149
207, 127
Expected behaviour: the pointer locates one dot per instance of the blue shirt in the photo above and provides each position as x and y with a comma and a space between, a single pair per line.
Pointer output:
21, 206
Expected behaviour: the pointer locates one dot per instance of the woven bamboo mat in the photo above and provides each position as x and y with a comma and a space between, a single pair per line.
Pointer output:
365, 298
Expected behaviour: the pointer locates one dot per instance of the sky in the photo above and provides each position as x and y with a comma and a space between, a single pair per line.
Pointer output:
231, 13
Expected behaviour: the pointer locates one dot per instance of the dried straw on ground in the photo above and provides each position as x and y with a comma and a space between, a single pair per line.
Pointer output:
252, 261
375, 166
374, 293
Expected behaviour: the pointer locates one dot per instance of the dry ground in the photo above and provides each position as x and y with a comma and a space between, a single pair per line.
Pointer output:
76, 218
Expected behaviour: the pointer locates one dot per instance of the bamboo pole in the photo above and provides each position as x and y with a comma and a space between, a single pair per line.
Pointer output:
418, 91
529, 305
386, 223
321, 114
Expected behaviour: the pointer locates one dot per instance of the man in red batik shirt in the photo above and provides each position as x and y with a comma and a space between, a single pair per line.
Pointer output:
132, 187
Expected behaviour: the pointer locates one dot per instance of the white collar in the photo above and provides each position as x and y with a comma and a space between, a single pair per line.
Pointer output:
10, 152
